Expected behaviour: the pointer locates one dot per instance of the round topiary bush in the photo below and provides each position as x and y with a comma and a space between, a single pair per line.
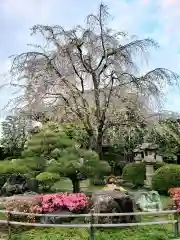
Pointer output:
166, 177
47, 180
134, 173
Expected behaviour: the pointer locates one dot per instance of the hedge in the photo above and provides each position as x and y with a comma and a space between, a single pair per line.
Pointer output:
136, 173
166, 177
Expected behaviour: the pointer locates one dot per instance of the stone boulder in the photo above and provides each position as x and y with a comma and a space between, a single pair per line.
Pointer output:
56, 219
18, 184
32, 185
112, 202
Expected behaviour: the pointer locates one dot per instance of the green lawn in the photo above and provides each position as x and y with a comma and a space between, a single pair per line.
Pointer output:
65, 185
165, 201
138, 233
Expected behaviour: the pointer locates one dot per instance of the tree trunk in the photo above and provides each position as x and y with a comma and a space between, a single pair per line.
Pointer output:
96, 142
76, 185
99, 145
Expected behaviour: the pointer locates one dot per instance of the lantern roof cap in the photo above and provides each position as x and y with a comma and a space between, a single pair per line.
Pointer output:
137, 149
148, 146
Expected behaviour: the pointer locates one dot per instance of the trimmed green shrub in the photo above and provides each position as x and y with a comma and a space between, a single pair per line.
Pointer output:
47, 179
166, 177
136, 173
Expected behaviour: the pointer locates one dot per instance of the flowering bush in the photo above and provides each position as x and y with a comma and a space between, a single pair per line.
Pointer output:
22, 204
46, 204
52, 202
175, 196
173, 191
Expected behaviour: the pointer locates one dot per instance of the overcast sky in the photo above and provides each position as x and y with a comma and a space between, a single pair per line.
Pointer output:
158, 19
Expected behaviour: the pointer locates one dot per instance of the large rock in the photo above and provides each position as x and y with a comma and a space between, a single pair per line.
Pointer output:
32, 185
18, 184
56, 219
112, 202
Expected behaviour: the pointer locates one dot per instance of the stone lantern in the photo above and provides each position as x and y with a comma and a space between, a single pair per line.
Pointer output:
149, 160
138, 155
